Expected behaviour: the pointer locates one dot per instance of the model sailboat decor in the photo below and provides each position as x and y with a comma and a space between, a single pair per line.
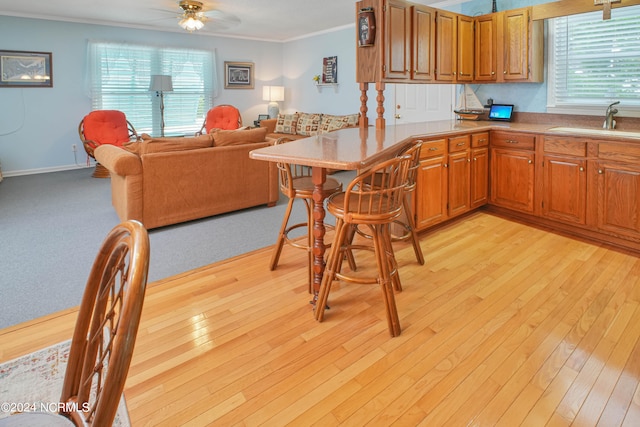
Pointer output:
469, 106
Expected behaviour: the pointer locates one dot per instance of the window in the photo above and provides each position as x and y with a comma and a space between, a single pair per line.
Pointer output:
119, 76
593, 62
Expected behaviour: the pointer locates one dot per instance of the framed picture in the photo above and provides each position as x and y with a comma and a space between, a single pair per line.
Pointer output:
330, 69
238, 75
25, 69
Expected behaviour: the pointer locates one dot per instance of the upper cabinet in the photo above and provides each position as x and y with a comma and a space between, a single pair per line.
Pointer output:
404, 47
454, 47
509, 47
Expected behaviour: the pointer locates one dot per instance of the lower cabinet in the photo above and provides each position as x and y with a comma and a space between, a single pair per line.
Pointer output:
479, 169
618, 197
431, 184
459, 177
564, 166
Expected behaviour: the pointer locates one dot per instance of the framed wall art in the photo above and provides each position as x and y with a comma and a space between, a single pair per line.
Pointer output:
25, 69
330, 69
238, 75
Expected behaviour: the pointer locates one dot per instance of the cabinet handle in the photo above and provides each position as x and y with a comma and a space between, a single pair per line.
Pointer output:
469, 160
600, 171
433, 148
511, 141
530, 161
493, 73
581, 169
475, 159
482, 140
446, 165
460, 144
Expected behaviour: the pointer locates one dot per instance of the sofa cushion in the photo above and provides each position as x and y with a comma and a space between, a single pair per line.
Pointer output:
160, 145
331, 123
237, 137
287, 123
308, 124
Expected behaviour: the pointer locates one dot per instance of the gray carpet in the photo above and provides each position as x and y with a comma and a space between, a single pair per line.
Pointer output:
51, 226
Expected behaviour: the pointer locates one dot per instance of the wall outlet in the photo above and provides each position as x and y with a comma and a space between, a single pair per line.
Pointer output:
74, 147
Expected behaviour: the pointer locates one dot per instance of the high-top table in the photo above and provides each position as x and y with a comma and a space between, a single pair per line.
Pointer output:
348, 149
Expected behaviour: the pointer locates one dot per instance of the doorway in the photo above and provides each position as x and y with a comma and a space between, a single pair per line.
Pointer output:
423, 102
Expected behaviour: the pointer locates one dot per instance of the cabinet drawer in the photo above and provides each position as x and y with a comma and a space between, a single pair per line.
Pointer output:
565, 145
513, 140
459, 143
617, 151
436, 147
480, 139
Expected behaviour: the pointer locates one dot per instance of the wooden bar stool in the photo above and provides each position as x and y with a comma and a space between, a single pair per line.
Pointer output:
406, 221
296, 183
373, 199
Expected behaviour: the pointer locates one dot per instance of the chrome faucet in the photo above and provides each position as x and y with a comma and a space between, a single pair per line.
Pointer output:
609, 122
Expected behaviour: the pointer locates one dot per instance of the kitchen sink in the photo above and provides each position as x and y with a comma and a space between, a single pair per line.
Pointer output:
603, 132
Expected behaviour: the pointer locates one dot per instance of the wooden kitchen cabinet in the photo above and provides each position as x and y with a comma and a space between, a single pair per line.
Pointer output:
459, 175
454, 47
407, 51
564, 196
479, 169
431, 184
513, 170
509, 47
617, 180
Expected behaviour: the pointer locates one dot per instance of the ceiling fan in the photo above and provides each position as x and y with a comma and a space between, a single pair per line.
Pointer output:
194, 15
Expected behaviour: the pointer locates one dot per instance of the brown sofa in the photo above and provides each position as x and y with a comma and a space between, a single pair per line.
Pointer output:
302, 125
170, 180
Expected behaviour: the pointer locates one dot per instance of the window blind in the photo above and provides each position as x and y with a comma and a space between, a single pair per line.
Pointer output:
594, 61
119, 75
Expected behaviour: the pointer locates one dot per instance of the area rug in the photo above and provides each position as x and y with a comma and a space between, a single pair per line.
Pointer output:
36, 380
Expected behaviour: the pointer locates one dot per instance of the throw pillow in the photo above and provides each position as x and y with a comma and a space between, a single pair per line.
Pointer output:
287, 123
159, 145
237, 137
331, 123
308, 124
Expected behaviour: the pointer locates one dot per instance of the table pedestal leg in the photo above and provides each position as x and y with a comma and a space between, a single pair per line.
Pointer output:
319, 177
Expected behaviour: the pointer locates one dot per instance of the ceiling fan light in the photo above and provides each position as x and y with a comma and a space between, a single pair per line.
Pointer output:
191, 24
190, 18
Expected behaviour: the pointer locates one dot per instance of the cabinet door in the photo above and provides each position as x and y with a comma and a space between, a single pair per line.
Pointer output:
486, 49
565, 189
619, 198
424, 37
464, 49
516, 44
431, 199
397, 40
459, 183
446, 30
479, 176
512, 178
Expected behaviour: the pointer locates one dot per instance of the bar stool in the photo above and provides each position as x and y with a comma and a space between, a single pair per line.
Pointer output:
373, 199
296, 183
406, 221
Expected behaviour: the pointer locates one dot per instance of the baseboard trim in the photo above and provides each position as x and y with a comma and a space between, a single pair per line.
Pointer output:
8, 174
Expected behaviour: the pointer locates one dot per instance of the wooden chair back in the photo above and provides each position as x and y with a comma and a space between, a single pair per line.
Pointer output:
107, 325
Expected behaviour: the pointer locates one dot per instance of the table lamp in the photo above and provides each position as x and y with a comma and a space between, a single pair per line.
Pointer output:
273, 94
159, 85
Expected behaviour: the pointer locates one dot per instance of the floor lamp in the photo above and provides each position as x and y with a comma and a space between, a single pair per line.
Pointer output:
159, 85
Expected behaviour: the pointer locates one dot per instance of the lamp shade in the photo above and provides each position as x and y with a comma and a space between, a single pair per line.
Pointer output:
273, 93
161, 83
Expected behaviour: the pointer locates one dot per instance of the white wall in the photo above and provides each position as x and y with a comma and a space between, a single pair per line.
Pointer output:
39, 125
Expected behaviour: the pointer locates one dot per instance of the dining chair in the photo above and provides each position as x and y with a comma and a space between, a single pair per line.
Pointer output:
105, 127
105, 332
296, 184
373, 199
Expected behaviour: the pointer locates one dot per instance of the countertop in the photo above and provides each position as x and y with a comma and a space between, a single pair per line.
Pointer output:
355, 148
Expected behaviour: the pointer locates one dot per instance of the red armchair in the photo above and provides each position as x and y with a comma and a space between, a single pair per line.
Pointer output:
222, 116
105, 127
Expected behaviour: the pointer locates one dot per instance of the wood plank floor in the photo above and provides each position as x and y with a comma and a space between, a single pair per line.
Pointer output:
504, 325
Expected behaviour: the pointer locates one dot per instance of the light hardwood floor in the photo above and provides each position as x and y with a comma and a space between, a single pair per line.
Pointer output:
504, 325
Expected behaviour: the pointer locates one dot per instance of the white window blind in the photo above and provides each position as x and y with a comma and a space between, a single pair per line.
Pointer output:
119, 77
592, 61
